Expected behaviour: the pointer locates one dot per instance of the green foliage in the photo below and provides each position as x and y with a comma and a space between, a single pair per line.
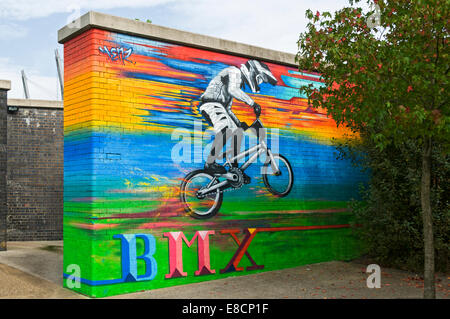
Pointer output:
389, 219
389, 83
148, 20
392, 80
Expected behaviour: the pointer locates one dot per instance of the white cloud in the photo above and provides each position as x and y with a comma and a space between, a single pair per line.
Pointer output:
275, 24
28, 9
40, 87
10, 31
268, 23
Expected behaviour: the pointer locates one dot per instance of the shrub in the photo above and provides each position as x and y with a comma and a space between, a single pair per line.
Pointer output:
389, 213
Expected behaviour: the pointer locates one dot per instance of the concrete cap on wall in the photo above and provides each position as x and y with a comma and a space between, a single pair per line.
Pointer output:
5, 85
107, 22
47, 104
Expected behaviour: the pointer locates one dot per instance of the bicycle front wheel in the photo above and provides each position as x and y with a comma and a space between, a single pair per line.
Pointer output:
278, 183
200, 207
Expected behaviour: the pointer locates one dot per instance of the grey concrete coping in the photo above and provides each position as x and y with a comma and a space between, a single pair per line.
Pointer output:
107, 22
46, 104
5, 85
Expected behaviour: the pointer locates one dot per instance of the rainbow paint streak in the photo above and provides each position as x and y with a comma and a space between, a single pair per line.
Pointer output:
119, 177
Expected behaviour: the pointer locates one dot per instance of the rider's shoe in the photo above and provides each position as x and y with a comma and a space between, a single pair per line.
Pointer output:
215, 168
247, 178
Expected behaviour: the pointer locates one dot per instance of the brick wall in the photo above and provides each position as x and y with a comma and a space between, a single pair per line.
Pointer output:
35, 172
3, 141
126, 98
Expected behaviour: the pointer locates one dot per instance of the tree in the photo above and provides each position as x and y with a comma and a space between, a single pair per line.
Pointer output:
388, 213
389, 81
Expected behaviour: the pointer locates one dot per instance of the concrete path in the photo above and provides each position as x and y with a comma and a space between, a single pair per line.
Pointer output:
34, 270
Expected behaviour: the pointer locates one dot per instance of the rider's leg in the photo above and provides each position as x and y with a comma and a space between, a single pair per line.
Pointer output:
217, 116
220, 140
236, 147
236, 142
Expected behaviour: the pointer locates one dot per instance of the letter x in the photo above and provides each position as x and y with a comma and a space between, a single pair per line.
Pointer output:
242, 249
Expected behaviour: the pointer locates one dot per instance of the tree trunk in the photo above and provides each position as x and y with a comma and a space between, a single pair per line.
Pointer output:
429, 287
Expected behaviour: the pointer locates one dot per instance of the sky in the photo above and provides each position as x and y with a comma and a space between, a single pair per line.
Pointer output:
28, 29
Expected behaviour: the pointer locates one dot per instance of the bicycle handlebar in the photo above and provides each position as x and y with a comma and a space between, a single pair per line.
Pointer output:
255, 121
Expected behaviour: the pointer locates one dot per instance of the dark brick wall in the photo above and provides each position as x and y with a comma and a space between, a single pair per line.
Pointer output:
3, 141
35, 174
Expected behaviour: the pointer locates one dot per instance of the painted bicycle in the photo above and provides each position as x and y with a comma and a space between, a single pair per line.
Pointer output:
202, 192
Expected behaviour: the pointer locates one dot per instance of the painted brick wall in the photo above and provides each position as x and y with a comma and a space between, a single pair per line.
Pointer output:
35, 174
127, 100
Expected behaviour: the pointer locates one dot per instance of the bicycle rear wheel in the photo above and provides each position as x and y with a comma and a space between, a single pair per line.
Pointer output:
200, 207
278, 183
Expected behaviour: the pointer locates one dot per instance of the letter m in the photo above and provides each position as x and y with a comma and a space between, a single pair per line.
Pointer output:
176, 253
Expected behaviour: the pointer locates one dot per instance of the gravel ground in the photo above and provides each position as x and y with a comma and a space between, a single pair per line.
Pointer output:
34, 270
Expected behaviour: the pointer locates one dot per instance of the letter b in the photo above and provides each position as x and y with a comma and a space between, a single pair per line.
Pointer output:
129, 258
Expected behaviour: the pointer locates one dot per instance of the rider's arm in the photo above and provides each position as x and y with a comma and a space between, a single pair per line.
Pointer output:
234, 118
234, 87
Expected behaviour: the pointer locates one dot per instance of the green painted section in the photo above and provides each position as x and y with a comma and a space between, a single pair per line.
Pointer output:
99, 255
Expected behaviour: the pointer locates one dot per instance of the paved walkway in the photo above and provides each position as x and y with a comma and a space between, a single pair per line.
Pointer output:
34, 270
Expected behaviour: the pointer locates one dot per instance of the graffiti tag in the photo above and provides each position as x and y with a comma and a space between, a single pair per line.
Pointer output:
117, 54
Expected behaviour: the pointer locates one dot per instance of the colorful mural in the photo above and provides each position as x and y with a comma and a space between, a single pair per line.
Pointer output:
134, 129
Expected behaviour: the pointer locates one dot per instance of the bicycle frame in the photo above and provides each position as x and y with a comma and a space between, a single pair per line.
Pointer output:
254, 152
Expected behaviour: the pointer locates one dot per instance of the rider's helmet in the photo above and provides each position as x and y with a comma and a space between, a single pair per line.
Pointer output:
256, 72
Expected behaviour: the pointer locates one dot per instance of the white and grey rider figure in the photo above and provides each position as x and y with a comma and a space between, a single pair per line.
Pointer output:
216, 104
